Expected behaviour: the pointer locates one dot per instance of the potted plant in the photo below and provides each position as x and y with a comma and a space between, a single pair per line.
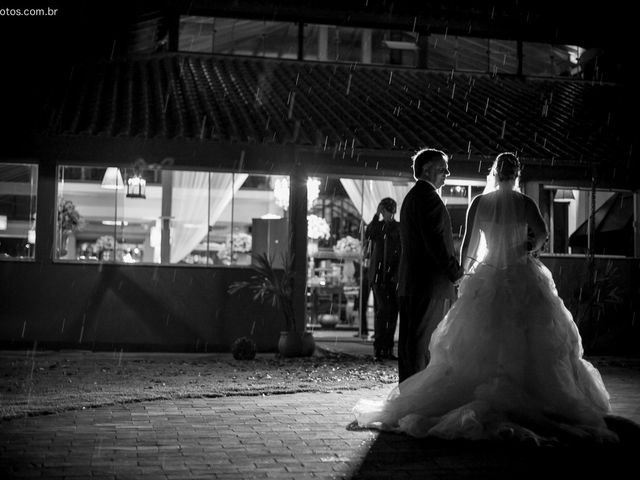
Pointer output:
269, 285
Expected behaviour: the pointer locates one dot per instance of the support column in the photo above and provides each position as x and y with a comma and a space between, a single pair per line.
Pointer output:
636, 224
298, 242
165, 242
46, 211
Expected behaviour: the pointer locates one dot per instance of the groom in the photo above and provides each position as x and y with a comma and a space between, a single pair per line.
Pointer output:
428, 268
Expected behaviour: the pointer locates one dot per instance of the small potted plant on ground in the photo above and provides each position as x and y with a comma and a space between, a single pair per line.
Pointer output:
243, 348
269, 285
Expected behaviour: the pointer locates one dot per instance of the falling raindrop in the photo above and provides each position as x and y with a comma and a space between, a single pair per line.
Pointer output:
241, 163
204, 123
166, 101
349, 84
24, 327
504, 126
415, 19
486, 107
390, 77
453, 91
293, 101
64, 319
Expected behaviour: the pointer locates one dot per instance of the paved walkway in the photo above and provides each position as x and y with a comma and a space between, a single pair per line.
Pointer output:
297, 436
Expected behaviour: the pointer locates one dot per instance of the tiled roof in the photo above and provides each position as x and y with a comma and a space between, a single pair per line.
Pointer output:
327, 106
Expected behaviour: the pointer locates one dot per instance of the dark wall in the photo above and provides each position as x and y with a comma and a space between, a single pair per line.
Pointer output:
103, 307
604, 301
113, 307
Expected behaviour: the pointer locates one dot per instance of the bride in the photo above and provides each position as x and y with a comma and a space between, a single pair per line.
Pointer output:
506, 361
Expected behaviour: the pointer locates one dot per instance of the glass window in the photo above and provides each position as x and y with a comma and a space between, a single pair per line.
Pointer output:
338, 214
551, 60
458, 53
18, 190
569, 217
238, 37
503, 56
182, 216
195, 34
360, 45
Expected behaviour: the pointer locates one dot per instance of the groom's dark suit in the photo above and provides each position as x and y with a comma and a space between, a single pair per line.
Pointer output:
428, 270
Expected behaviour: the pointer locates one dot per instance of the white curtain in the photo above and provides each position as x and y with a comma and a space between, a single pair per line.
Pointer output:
196, 196
374, 191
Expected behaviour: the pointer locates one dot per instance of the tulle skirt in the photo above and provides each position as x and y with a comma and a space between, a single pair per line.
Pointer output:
506, 361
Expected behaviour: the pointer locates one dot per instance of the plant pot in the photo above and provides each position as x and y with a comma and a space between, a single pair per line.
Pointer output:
328, 320
290, 344
308, 344
244, 348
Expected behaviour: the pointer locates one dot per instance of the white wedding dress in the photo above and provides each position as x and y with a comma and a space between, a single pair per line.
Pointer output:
506, 361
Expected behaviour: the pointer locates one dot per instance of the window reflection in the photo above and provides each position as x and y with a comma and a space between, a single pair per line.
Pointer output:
18, 189
187, 217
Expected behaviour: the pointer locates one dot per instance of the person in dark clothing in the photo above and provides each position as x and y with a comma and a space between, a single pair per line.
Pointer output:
429, 267
384, 235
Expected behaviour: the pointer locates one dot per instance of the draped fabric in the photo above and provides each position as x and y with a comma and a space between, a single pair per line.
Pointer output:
367, 193
198, 200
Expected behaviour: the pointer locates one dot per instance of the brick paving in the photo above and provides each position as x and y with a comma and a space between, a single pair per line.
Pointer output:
293, 436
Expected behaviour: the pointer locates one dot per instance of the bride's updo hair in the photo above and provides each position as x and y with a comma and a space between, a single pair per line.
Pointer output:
506, 167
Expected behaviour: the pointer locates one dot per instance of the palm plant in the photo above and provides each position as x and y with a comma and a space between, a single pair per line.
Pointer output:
268, 285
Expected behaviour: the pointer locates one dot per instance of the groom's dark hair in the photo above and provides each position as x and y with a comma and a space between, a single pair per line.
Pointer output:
424, 157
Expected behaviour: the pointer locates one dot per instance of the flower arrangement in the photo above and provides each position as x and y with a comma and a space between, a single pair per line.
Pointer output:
348, 246
241, 242
317, 228
105, 242
69, 219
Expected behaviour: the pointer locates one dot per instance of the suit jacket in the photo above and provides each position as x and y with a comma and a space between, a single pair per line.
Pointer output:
428, 263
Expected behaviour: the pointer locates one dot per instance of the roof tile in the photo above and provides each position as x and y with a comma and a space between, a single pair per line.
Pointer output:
232, 99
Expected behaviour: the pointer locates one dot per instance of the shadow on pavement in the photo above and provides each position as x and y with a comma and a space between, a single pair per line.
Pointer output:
396, 456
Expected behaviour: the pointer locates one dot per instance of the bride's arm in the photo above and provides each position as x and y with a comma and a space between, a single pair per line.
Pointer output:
536, 225
471, 238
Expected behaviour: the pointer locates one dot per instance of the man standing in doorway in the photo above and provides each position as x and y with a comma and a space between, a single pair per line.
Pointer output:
384, 237
429, 268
